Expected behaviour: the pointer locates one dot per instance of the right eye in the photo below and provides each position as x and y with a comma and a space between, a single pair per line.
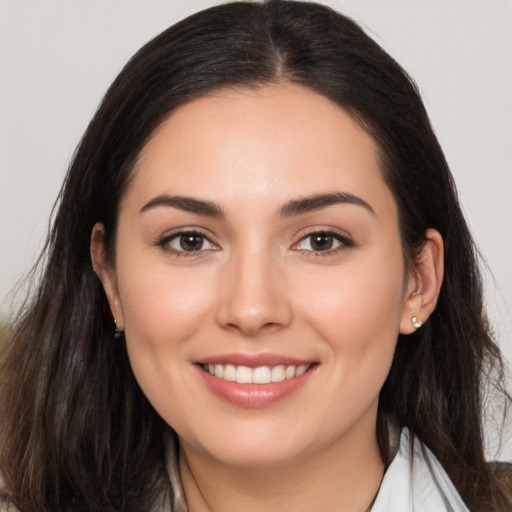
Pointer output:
320, 242
187, 242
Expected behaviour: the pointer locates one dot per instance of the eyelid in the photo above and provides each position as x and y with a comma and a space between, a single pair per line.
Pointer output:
164, 241
345, 239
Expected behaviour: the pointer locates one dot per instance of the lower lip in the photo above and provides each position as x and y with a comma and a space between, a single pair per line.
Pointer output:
254, 395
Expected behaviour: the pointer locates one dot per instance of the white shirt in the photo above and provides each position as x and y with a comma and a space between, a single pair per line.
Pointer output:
416, 482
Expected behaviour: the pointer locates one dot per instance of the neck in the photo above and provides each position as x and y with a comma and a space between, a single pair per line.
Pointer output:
345, 475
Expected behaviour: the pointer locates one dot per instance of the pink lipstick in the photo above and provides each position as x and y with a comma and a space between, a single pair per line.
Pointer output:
255, 380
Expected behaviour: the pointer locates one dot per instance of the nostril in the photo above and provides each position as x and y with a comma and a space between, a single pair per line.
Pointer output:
250, 310
252, 329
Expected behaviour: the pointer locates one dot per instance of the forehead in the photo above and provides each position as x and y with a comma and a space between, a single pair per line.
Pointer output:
267, 144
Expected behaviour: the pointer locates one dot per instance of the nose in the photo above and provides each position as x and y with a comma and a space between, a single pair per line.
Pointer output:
253, 296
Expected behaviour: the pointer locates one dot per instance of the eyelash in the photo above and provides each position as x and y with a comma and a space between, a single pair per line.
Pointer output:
165, 242
344, 241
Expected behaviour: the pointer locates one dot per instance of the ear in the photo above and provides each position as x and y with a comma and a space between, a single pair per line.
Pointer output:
423, 283
106, 272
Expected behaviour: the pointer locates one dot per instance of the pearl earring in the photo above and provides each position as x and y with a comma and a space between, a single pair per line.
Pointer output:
416, 322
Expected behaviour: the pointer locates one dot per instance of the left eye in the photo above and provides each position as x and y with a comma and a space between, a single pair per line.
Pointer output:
189, 242
319, 242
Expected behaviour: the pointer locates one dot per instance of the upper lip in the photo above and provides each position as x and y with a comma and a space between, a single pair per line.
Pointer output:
255, 360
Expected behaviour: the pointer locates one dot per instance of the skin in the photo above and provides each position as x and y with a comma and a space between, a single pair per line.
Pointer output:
256, 286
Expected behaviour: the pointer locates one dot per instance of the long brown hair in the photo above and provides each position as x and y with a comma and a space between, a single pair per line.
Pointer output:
77, 433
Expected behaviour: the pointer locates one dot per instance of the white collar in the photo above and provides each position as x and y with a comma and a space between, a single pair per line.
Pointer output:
416, 482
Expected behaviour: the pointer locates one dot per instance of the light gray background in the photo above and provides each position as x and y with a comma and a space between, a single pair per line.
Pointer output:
57, 58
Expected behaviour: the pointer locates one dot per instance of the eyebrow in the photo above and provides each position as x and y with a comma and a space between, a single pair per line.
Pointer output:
188, 204
319, 201
290, 209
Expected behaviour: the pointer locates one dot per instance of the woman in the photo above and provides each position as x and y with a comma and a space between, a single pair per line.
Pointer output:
260, 292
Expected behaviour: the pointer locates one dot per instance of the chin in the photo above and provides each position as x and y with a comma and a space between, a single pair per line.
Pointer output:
256, 456
255, 448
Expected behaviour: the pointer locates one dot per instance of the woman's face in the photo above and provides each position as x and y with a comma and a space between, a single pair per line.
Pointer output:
259, 242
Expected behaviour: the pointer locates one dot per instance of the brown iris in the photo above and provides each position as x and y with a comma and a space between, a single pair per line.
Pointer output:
321, 241
191, 242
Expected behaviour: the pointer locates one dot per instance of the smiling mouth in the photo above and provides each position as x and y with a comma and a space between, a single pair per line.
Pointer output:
258, 375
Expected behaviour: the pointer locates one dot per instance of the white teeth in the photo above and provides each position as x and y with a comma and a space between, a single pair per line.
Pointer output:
218, 370
229, 373
262, 375
278, 374
290, 372
243, 375
259, 375
301, 370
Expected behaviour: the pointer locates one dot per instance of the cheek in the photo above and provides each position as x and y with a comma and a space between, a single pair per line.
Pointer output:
159, 297
163, 308
356, 311
366, 300
357, 320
